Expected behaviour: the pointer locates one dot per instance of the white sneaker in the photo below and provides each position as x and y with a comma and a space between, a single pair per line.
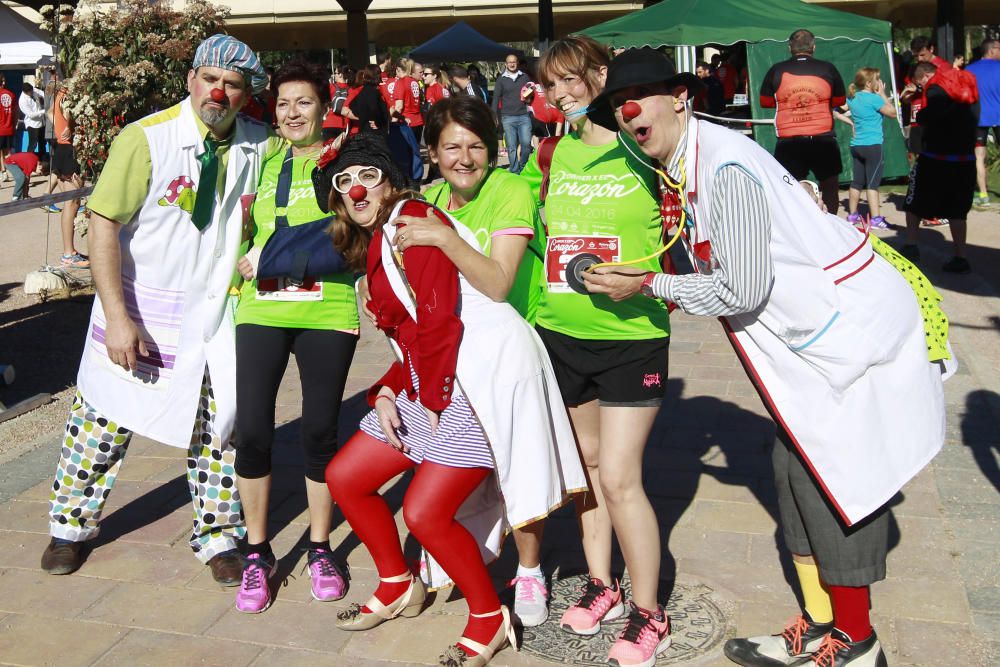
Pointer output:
531, 600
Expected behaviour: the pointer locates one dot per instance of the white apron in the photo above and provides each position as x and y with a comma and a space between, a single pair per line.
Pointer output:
176, 282
506, 374
837, 351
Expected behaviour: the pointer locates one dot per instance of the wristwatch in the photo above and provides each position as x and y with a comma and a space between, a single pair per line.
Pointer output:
647, 285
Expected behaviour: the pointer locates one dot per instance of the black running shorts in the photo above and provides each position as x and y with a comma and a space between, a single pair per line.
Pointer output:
619, 373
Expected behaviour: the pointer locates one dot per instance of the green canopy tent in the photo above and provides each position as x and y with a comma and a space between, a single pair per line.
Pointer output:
847, 40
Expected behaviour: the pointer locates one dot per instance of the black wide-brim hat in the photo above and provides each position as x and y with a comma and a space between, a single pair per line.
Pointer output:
636, 67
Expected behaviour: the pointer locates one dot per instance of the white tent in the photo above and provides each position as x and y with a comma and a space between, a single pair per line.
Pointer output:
21, 42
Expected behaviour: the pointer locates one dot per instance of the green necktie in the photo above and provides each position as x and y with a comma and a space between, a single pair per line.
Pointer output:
204, 200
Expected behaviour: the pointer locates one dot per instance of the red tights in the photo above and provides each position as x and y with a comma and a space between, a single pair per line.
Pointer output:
354, 477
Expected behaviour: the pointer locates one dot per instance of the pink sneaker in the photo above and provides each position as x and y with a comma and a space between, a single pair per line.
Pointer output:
598, 602
328, 580
254, 594
645, 636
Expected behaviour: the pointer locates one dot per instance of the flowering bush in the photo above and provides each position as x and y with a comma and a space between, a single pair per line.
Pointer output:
125, 63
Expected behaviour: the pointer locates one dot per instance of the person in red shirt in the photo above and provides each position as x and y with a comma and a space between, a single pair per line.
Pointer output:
406, 98
385, 67
924, 51
21, 166
436, 85
387, 82
335, 122
8, 118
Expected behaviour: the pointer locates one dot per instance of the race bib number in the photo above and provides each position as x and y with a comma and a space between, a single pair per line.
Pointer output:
281, 289
561, 249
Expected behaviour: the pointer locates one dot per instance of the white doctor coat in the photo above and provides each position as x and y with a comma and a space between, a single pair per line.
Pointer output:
837, 350
176, 280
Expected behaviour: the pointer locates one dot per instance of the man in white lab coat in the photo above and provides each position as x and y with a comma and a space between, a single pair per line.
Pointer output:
168, 218
827, 328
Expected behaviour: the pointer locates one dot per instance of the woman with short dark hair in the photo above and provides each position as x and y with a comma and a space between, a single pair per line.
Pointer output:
316, 319
500, 210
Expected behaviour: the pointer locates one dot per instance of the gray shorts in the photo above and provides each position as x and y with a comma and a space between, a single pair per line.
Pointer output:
846, 556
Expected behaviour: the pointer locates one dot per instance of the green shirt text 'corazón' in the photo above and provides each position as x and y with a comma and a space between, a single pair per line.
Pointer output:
600, 200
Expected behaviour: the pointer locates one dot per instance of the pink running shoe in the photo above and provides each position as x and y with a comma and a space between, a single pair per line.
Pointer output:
645, 636
328, 580
598, 603
254, 594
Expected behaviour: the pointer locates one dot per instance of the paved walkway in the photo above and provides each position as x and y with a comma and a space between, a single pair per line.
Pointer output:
142, 599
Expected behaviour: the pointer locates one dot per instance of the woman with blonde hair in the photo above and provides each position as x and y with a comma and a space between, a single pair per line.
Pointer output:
868, 104
610, 357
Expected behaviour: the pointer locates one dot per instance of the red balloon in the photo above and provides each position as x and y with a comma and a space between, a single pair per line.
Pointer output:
631, 110
357, 192
218, 94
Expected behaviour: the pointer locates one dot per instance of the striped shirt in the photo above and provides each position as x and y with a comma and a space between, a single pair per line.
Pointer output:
739, 227
459, 441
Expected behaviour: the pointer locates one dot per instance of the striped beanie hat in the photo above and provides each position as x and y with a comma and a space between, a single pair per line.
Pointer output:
227, 52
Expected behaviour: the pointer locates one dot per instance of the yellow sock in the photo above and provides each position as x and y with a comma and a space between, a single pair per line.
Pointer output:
813, 593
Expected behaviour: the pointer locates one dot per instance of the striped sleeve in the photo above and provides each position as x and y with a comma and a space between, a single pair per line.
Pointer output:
742, 273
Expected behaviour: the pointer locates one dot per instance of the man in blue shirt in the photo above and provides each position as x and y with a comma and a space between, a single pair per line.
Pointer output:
987, 71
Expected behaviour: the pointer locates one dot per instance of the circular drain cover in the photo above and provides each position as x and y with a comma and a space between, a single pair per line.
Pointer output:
697, 625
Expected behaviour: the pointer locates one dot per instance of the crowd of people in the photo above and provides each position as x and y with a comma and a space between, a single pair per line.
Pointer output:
528, 309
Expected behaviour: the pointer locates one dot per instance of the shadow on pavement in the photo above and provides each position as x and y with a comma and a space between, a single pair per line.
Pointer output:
979, 432
152, 506
44, 342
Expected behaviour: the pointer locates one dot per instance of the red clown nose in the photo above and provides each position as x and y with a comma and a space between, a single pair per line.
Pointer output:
357, 192
217, 94
631, 110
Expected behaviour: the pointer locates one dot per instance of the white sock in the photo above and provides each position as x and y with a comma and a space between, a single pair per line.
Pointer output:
536, 572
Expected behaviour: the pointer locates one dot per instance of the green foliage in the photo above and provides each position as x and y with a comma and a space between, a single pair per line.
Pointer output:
275, 59
125, 63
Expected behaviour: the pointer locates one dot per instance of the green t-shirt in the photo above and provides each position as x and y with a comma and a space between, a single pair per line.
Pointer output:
504, 205
600, 200
331, 303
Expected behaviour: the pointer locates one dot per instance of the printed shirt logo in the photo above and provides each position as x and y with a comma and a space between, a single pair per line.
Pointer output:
180, 193
652, 380
803, 105
588, 187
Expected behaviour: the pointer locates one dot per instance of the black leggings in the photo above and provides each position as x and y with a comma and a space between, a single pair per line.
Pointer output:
323, 357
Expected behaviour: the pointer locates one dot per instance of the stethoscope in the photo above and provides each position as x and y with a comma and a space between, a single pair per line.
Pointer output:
587, 262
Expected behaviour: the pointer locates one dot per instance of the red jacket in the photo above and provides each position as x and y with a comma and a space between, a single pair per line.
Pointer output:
431, 343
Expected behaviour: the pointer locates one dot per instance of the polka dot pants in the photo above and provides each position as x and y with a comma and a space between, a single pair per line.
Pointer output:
92, 453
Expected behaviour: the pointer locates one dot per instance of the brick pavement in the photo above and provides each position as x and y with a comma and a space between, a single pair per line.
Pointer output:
141, 598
